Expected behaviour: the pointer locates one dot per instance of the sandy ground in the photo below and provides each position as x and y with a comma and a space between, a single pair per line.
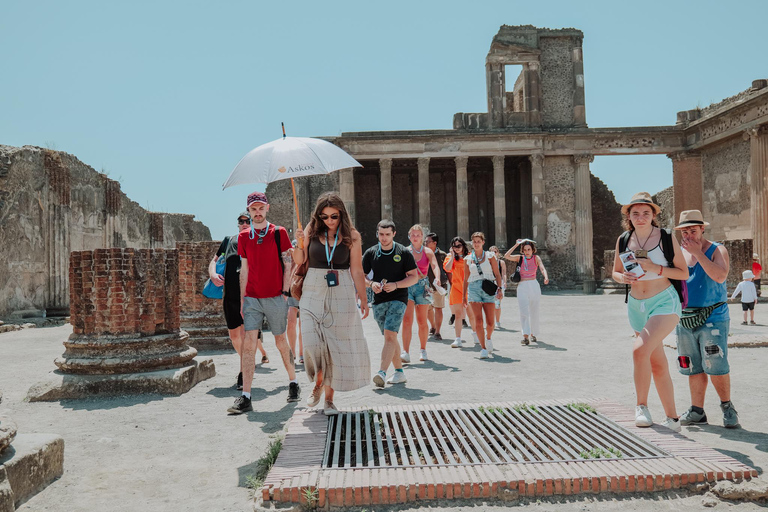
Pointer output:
185, 453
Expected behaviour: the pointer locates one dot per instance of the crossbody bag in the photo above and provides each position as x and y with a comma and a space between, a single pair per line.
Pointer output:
487, 285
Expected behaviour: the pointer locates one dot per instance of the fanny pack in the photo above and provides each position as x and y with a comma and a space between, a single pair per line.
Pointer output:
696, 317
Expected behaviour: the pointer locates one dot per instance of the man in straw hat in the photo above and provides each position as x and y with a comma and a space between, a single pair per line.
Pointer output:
702, 335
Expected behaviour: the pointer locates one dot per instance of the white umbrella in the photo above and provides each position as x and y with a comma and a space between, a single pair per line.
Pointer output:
289, 157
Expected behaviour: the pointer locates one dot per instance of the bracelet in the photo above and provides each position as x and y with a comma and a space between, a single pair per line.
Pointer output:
661, 269
395, 284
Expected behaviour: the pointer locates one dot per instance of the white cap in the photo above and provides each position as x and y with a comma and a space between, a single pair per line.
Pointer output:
747, 274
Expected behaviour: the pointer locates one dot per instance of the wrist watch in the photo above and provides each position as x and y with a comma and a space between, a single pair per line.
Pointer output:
287, 294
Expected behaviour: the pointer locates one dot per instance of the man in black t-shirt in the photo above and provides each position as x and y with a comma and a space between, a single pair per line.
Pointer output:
231, 300
394, 270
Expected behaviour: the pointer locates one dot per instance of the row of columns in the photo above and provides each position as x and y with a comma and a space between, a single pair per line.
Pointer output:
538, 204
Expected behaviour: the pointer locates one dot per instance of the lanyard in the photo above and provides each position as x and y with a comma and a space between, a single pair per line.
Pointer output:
380, 252
261, 237
329, 255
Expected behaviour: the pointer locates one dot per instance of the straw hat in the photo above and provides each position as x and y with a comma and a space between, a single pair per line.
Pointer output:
747, 274
641, 198
691, 218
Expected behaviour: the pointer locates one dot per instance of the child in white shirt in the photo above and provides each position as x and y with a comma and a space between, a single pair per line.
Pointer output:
748, 296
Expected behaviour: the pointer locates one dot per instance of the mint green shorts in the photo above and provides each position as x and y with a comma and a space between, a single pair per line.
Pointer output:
666, 302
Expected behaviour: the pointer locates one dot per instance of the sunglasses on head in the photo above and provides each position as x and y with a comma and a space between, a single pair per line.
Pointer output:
335, 216
243, 221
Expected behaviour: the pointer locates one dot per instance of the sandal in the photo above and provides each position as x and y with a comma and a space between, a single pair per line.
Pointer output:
264, 359
525, 341
533, 339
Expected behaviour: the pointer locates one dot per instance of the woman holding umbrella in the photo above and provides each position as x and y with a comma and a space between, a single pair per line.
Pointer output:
336, 355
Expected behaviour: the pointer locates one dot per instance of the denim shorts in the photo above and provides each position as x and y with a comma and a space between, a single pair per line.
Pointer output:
703, 349
419, 293
275, 309
666, 302
389, 315
477, 294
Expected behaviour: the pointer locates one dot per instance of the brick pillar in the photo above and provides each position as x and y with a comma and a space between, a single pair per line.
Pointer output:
200, 317
758, 190
499, 202
347, 191
424, 218
687, 181
462, 197
385, 165
583, 212
538, 199
579, 108
124, 313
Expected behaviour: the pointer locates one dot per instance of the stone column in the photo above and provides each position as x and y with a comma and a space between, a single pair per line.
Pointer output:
462, 197
111, 212
347, 190
687, 181
385, 165
57, 235
499, 202
758, 189
533, 93
423, 164
538, 199
494, 76
579, 109
583, 207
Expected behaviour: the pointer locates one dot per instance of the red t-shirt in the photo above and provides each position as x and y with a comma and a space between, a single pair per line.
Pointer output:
756, 269
265, 274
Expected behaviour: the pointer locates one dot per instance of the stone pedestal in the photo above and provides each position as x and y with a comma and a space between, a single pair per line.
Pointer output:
202, 318
125, 318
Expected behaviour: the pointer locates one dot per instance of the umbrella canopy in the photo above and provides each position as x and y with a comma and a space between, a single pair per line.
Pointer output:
289, 157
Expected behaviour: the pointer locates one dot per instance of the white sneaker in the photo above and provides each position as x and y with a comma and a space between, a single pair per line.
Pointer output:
477, 340
671, 424
405, 357
489, 345
484, 354
498, 325
378, 380
457, 343
643, 416
397, 378
423, 355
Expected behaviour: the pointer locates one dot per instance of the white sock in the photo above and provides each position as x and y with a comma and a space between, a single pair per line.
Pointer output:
247, 395
474, 334
295, 381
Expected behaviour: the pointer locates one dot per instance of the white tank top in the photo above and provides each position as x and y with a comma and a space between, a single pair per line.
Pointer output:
485, 266
656, 255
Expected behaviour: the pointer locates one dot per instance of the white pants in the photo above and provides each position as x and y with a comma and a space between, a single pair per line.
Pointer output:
528, 297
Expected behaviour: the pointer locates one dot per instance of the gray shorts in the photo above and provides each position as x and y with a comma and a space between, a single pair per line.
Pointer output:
275, 309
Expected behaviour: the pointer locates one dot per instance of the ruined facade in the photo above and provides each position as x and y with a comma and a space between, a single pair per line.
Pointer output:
51, 203
521, 169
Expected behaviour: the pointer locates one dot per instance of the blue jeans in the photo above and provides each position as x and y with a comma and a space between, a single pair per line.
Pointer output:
703, 349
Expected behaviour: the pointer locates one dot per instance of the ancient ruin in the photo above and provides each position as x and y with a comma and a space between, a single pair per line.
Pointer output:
521, 169
28, 463
126, 335
51, 203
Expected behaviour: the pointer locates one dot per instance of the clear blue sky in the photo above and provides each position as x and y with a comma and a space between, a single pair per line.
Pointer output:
168, 96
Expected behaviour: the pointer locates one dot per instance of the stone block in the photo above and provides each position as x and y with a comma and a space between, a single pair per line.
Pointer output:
33, 462
27, 313
60, 386
7, 433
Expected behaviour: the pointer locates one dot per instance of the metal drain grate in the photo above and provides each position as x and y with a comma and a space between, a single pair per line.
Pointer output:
495, 435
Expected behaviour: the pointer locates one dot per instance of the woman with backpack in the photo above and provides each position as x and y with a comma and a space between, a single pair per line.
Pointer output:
528, 289
654, 304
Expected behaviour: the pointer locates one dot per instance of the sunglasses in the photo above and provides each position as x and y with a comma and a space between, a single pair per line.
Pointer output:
458, 246
335, 216
243, 221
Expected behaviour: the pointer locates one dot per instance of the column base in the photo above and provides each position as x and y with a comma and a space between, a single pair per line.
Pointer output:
177, 381
28, 467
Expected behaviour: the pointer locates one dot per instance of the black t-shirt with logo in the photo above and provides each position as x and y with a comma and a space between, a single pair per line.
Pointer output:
391, 265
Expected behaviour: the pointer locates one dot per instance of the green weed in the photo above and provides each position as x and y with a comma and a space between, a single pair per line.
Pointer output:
580, 406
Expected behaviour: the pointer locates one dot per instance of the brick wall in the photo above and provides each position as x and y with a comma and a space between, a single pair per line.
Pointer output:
194, 258
122, 291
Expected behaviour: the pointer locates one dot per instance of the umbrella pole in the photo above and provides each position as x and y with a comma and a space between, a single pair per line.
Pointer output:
298, 219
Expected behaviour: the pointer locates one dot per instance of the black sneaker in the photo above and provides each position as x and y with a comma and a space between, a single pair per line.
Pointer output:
453, 319
242, 404
464, 323
294, 392
239, 385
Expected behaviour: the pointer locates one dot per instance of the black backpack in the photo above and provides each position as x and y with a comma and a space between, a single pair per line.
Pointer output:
668, 248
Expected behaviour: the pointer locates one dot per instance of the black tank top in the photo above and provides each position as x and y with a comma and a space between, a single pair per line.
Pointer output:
318, 259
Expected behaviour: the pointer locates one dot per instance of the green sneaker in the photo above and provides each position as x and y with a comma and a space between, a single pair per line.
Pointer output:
730, 416
691, 417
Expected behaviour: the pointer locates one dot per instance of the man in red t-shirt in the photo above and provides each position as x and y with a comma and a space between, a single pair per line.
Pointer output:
757, 269
265, 279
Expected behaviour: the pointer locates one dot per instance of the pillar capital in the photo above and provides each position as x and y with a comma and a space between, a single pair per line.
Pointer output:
498, 161
461, 161
422, 162
584, 158
537, 159
533, 65
755, 132
385, 163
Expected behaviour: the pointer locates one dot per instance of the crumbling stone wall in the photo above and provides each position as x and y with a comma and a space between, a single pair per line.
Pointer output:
606, 223
740, 255
559, 188
51, 203
557, 86
666, 200
725, 176
308, 189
